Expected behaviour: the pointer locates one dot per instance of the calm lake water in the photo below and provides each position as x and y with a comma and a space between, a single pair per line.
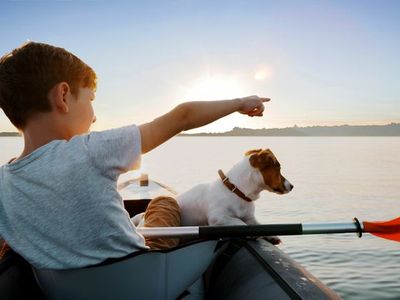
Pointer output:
335, 179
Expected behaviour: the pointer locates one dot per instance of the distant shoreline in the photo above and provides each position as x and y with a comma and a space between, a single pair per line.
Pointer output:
392, 129
10, 134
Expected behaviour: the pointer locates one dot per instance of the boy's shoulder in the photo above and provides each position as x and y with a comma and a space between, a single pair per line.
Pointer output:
111, 152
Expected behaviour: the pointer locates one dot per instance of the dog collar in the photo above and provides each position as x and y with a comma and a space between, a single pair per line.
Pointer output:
232, 187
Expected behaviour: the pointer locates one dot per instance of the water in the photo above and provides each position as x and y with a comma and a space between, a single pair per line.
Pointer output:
335, 179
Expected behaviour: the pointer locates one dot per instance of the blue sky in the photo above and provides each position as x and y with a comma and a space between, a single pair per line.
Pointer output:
321, 62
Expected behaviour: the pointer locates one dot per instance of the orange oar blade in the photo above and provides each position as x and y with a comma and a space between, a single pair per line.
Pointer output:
388, 230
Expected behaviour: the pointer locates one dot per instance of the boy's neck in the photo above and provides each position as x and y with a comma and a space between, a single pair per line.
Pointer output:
41, 132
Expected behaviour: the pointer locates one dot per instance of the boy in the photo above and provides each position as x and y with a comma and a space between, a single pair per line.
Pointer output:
59, 207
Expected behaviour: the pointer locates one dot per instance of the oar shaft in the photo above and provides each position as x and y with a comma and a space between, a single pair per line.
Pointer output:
157, 232
330, 228
389, 230
249, 230
221, 231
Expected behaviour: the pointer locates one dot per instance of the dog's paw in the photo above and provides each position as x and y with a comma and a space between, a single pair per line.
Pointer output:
138, 220
274, 240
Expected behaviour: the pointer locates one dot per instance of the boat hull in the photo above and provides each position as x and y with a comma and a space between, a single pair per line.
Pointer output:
256, 269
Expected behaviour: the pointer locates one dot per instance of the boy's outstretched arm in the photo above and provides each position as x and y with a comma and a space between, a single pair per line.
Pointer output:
191, 115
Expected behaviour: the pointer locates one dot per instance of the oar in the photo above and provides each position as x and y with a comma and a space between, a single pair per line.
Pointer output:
388, 230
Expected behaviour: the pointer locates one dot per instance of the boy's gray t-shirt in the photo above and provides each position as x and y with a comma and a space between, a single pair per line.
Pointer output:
59, 205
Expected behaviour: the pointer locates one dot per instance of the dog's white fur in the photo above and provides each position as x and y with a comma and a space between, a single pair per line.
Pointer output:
215, 204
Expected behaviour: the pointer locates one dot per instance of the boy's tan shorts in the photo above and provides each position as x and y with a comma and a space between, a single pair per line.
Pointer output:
162, 212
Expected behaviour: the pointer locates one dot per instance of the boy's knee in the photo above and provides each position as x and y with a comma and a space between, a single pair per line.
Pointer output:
162, 212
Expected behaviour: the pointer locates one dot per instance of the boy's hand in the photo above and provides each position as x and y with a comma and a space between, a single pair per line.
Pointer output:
252, 105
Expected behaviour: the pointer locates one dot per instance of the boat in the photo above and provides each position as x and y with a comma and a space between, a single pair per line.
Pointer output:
229, 268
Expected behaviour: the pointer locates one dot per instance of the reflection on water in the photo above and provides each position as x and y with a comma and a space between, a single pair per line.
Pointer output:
335, 179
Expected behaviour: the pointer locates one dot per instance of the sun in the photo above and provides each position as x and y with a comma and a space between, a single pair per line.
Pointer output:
215, 87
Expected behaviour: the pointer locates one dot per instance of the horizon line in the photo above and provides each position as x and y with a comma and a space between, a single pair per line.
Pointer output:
17, 133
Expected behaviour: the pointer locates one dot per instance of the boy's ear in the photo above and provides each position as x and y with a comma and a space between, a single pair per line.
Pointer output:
59, 96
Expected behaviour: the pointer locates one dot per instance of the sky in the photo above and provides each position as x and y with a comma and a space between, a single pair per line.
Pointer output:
321, 62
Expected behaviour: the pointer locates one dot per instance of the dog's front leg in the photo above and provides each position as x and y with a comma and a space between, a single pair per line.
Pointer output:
225, 221
251, 221
274, 240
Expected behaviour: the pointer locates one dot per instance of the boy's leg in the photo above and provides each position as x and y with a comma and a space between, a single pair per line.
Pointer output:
162, 212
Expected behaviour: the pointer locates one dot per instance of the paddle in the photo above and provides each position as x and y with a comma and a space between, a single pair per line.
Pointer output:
388, 230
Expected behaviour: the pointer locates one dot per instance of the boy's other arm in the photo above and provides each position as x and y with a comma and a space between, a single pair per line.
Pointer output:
191, 115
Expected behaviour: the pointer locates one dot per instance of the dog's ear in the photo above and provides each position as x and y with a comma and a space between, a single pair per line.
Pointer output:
254, 160
261, 159
250, 152
265, 158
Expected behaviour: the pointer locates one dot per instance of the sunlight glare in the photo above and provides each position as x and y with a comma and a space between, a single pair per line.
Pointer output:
215, 87
263, 74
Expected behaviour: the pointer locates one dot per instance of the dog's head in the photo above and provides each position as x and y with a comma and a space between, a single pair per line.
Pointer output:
270, 169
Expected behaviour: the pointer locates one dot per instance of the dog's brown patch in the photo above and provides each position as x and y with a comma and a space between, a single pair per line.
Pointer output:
269, 167
252, 152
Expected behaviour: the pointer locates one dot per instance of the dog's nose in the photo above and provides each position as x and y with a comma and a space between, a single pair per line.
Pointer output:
288, 186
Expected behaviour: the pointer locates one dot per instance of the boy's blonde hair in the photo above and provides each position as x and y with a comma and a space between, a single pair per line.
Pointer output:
29, 72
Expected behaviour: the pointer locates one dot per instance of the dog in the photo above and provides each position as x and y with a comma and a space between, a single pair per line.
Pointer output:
229, 200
